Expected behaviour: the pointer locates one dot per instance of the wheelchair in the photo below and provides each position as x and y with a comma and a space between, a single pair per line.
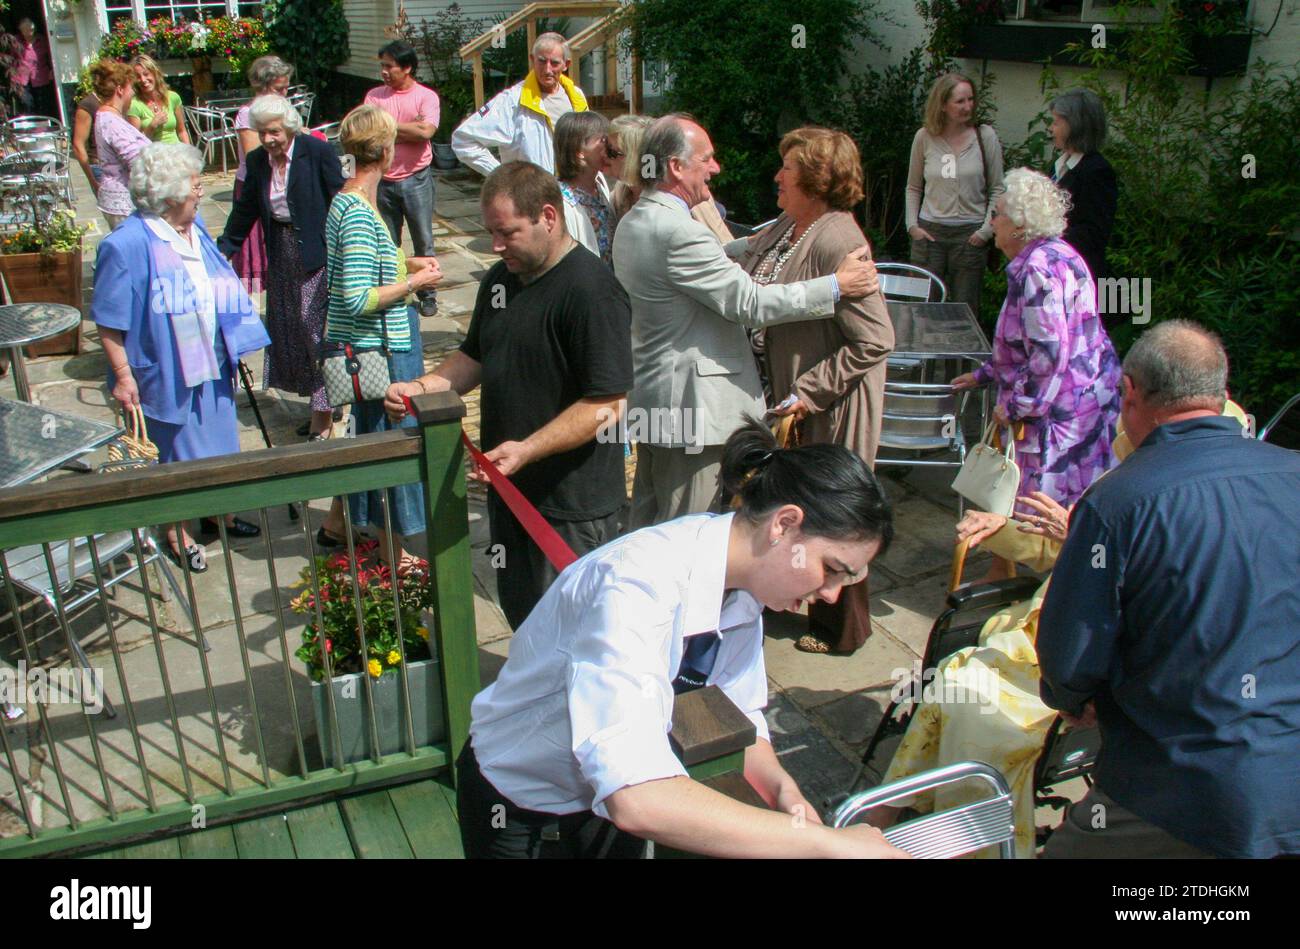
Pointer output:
1066, 753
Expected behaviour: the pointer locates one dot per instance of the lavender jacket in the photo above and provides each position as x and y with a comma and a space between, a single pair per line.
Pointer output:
1053, 363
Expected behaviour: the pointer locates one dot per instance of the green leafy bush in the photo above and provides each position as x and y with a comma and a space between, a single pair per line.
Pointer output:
311, 34
1209, 203
438, 42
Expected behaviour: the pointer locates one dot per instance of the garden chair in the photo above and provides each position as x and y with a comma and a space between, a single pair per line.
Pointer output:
56, 579
908, 283
303, 102
1284, 427
944, 834
213, 130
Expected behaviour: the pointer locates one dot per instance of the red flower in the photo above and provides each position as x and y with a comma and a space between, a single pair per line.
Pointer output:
1207, 7
329, 645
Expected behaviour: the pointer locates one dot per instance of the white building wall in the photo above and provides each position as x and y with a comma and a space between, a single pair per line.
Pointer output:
1015, 89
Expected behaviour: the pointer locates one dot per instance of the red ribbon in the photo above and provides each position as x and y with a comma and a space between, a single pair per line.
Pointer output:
530, 519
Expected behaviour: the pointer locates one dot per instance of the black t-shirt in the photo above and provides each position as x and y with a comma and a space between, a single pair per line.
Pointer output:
543, 346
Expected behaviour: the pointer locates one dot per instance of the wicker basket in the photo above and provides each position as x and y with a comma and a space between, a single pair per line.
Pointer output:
132, 449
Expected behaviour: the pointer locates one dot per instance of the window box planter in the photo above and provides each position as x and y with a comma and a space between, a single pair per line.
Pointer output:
1213, 56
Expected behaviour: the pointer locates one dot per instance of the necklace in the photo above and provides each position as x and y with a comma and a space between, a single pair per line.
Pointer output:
784, 249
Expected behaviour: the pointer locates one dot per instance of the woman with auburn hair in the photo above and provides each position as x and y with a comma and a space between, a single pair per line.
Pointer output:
953, 179
156, 111
117, 141
830, 373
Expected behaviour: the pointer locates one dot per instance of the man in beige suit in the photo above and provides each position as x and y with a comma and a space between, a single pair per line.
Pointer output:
695, 374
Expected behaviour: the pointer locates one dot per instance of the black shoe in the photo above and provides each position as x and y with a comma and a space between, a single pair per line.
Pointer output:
429, 306
241, 528
196, 555
328, 541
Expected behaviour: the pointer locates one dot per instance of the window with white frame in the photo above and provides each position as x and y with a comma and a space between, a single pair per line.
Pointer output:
1077, 11
180, 10
142, 11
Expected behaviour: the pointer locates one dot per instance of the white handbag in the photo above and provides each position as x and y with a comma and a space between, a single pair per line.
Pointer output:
990, 479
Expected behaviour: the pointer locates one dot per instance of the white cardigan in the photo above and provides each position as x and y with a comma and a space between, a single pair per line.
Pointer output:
578, 223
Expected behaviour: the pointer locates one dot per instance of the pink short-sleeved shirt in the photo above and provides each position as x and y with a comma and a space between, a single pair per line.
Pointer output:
416, 104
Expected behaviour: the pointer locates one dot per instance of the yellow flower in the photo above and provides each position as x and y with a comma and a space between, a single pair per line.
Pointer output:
375, 668
393, 657
423, 632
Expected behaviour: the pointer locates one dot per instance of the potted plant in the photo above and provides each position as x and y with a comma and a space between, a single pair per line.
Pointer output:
331, 650
40, 242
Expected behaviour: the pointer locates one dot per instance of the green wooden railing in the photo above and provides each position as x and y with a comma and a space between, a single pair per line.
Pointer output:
140, 767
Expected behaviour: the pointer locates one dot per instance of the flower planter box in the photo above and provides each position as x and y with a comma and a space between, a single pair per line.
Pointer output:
352, 707
1225, 55
46, 278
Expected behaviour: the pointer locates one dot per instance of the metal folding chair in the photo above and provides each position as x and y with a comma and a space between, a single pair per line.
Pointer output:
53, 572
909, 283
943, 834
303, 102
1284, 427
213, 130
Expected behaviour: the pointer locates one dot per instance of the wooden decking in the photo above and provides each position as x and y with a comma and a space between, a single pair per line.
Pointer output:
403, 822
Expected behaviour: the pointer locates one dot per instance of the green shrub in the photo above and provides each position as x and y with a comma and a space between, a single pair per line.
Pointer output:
751, 70
311, 34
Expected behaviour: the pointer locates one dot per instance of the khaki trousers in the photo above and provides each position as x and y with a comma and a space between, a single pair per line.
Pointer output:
670, 483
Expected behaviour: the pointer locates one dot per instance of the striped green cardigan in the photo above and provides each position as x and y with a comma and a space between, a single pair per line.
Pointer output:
361, 258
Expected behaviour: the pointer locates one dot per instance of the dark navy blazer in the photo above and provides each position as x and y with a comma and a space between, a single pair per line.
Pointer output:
315, 176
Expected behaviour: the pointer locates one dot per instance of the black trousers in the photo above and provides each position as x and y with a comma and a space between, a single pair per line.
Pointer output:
492, 827
523, 572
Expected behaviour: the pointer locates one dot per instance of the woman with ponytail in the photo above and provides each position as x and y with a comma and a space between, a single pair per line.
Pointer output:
570, 743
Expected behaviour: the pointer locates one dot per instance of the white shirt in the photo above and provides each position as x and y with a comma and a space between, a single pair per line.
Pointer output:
584, 704
191, 254
280, 186
1065, 161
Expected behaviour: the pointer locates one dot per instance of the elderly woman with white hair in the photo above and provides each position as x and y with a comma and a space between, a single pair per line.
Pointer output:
1055, 371
291, 180
174, 321
267, 76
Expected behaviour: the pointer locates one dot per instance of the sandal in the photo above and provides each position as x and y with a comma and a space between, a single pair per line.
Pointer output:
814, 644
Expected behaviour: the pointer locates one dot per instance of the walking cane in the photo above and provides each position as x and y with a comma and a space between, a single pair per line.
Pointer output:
246, 380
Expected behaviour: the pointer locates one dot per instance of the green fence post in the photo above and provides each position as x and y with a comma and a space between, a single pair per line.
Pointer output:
447, 517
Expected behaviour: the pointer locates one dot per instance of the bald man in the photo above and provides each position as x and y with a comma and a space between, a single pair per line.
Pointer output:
1173, 621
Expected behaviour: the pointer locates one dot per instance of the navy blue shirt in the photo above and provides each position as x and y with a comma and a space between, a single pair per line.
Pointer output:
1175, 606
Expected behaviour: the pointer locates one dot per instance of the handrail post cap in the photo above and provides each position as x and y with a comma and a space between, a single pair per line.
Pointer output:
434, 407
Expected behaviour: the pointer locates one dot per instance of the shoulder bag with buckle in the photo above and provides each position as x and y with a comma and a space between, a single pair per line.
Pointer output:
990, 479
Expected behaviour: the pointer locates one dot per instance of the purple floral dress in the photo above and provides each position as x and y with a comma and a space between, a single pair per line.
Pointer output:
1056, 371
